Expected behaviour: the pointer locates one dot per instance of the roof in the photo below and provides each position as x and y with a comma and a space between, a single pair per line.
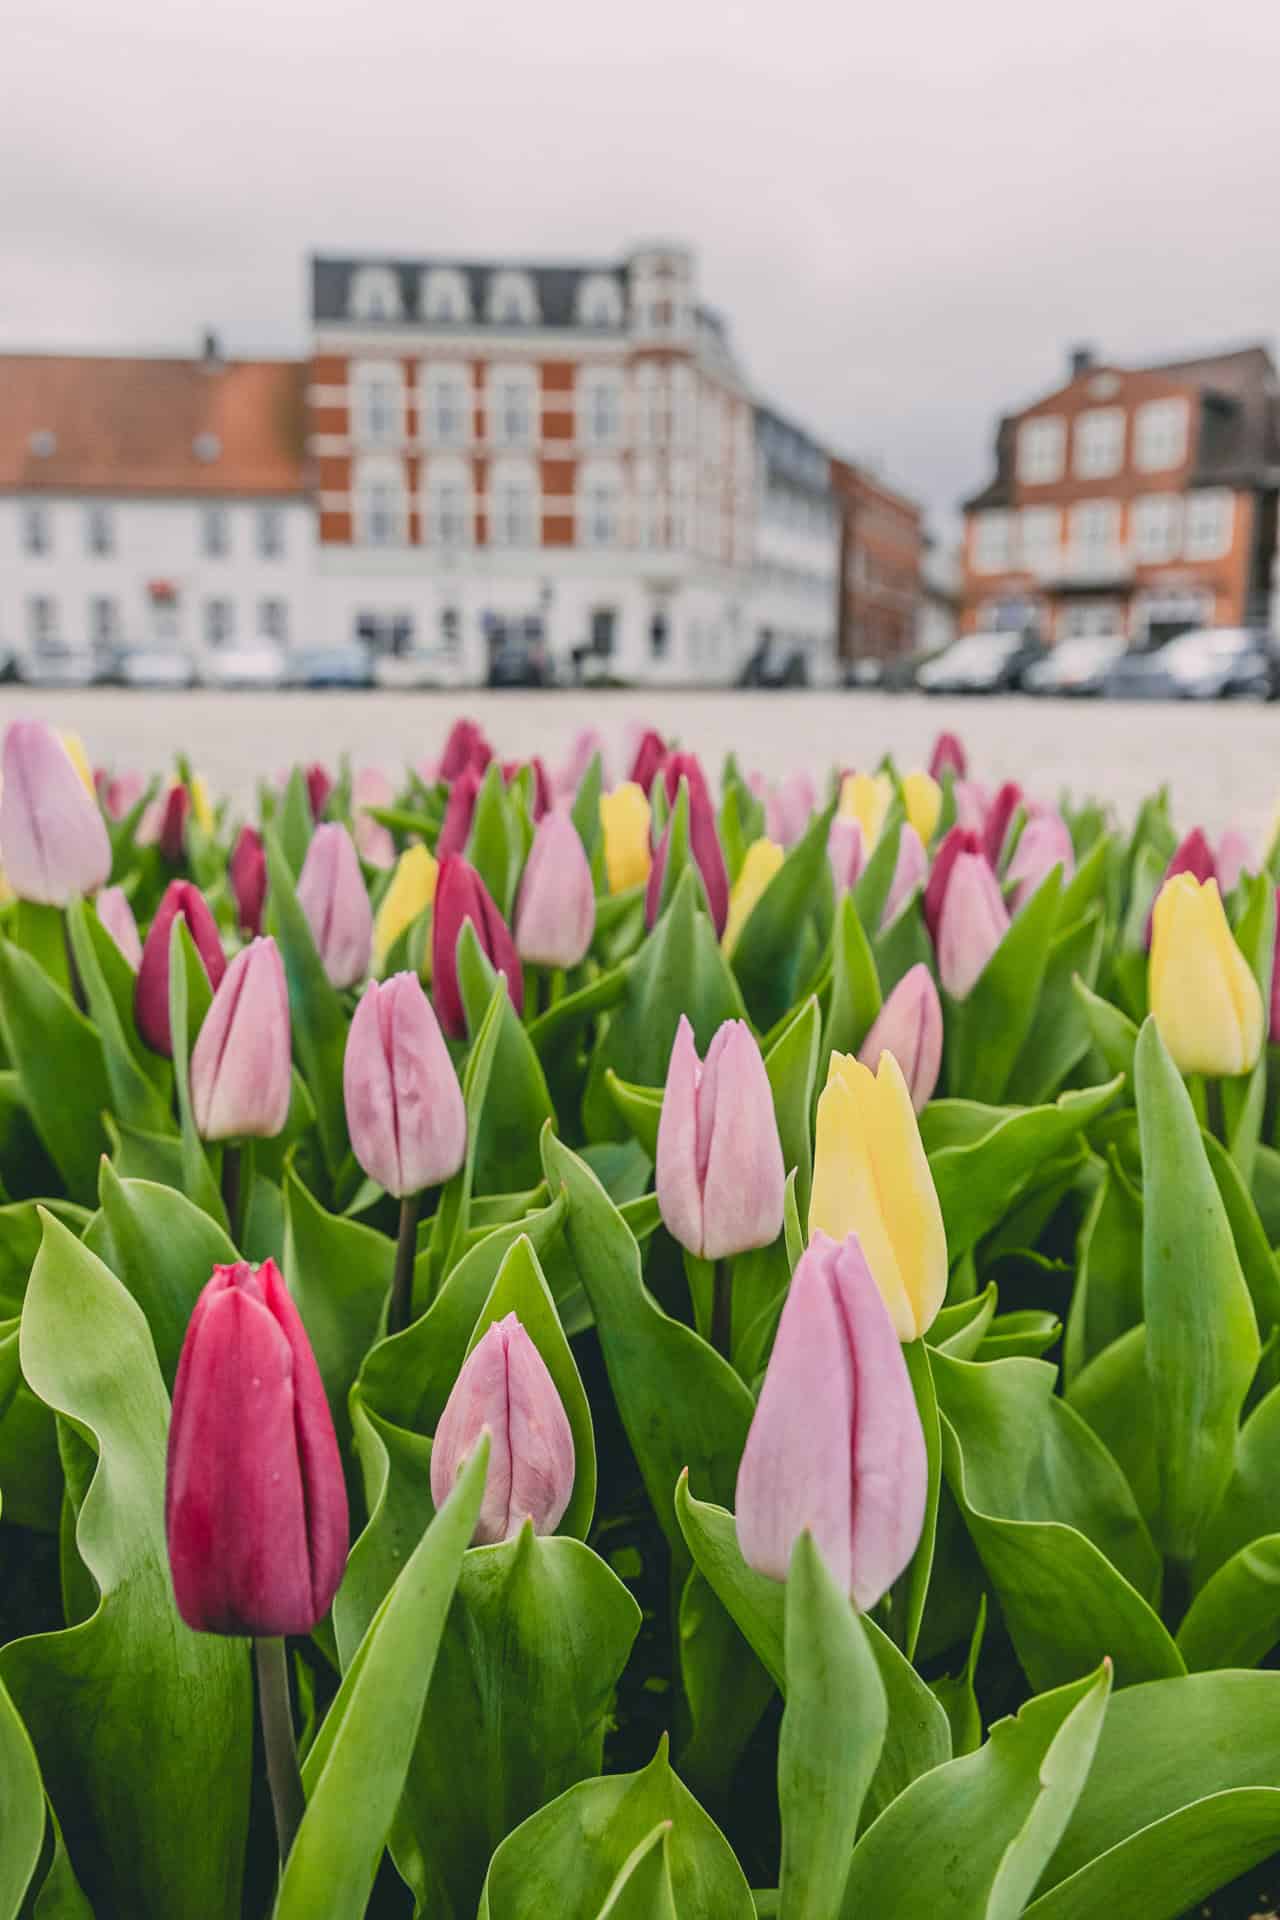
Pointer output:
72, 423
791, 453
556, 286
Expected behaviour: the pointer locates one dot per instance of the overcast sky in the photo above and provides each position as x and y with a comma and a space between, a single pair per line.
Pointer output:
906, 212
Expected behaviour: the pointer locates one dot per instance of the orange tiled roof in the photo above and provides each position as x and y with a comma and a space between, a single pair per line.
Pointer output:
132, 426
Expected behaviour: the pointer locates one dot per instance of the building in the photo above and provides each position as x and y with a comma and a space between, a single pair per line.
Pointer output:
519, 458
150, 504
1131, 500
797, 554
882, 556
937, 620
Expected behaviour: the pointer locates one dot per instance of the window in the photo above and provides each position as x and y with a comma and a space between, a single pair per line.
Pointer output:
42, 621
379, 402
650, 402
446, 300
604, 625
599, 302
648, 505
270, 533
446, 414
1160, 435
273, 620
1040, 530
600, 407
219, 622
99, 533
681, 505
37, 529
1095, 532
1099, 442
684, 397
513, 393
380, 502
1210, 513
215, 533
450, 630
512, 301
599, 504
448, 503
513, 504
1157, 527
374, 294
385, 633
104, 623
1041, 448
991, 542
659, 633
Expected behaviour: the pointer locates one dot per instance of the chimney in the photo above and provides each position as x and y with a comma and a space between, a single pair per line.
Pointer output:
210, 351
1082, 358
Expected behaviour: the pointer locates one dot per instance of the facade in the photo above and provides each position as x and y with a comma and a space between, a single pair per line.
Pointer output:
797, 554
937, 620
150, 506
882, 556
1134, 501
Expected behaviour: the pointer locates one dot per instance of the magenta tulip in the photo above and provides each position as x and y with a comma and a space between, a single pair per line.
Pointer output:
319, 787
948, 756
704, 843
151, 995
455, 829
648, 760
910, 871
974, 922
116, 916
835, 1446
556, 909
172, 832
504, 1388
255, 1506
465, 747
846, 852
331, 893
247, 875
405, 1113
720, 1176
959, 840
53, 839
541, 781
241, 1063
909, 1026
995, 829
1043, 844
1193, 855
462, 895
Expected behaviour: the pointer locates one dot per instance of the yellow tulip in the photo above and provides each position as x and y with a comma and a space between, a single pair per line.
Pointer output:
78, 757
1206, 1002
871, 1177
866, 798
760, 863
201, 810
624, 816
922, 798
410, 891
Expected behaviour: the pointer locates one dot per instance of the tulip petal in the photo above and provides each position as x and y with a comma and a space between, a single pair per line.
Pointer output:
676, 1172
739, 1154
541, 1441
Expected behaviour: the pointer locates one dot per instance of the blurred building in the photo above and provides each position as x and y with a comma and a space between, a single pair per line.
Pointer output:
938, 617
882, 550
148, 503
797, 555
1131, 500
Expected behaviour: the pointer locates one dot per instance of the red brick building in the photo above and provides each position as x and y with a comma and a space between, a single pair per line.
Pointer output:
1131, 500
881, 557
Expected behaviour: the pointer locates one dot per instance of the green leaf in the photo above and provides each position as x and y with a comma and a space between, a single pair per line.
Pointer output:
21, 1809
506, 1152
585, 811
1164, 1871
190, 998
871, 890
1060, 1034
1107, 1298
1113, 1393
640, 1107
1243, 1099
339, 1274
1234, 1620
453, 1212
726, 1690
855, 984
911, 1592
316, 1010
140, 1081
1113, 1032
1087, 882
1250, 1503
1257, 1261
986, 1031
295, 822
558, 1028
643, 1890
1202, 1340
766, 958
958, 1697
792, 1066
1030, 1332
136, 1720
493, 845
826, 1758
58, 1058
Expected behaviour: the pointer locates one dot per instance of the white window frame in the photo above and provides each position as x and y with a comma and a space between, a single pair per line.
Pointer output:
600, 398
37, 528
269, 532
1098, 443
1215, 544
600, 502
374, 294
511, 478
1152, 514
511, 300
503, 377
377, 402
450, 378
43, 626
1042, 449
992, 546
215, 531
99, 530
381, 501
273, 619
599, 301
448, 479
110, 626
445, 297
1039, 537
1161, 433
219, 620
1100, 519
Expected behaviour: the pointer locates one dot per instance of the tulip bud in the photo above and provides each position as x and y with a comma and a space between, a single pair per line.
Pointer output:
331, 893
1206, 1001
410, 891
1043, 844
1193, 855
172, 833
255, 1506
922, 798
624, 820
704, 842
909, 874
504, 1388
835, 1444
371, 788
972, 803
247, 874
959, 840
846, 853
465, 747
996, 826
866, 798
462, 895
79, 758
788, 807
587, 743
556, 908
871, 1177
459, 812
405, 1113
541, 782
241, 1063
760, 863
647, 761
719, 1174
121, 792
53, 839
948, 756
909, 1026
974, 922
319, 787
116, 915
151, 995
1235, 858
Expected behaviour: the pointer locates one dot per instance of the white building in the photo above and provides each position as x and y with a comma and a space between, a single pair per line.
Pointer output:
797, 554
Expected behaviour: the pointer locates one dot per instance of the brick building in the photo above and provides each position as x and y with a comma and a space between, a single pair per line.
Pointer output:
881, 561
1131, 500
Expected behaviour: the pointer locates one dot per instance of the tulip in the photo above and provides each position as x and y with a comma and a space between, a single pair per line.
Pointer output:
556, 908
1193, 855
760, 863
121, 792
948, 756
410, 891
462, 895
459, 812
1235, 858
405, 1113
331, 893
587, 743
974, 922
1206, 1001
247, 875
624, 821
648, 760
319, 787
1043, 844
172, 831
922, 798
909, 1026
1273, 1026
541, 781
79, 759
959, 840
240, 1064
116, 915
866, 798
788, 807
466, 746
995, 829
255, 1506
909, 874
151, 995
846, 852
719, 1173
972, 805
371, 788
871, 1177
504, 1388
704, 842
835, 1444
52, 835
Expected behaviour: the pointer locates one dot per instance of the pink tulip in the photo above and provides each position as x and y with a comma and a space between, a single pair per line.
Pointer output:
53, 840
151, 995
116, 916
846, 851
465, 747
971, 805
1235, 858
959, 840
371, 788
247, 876
788, 807
587, 743
121, 792
835, 1445
995, 830
911, 870
331, 893
1043, 844
405, 1113
240, 1064
504, 1388
974, 922
459, 812
462, 895
909, 1026
719, 1174
948, 756
556, 908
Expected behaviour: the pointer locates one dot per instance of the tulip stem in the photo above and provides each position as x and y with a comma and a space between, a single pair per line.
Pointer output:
231, 1189
276, 1715
722, 1308
406, 1251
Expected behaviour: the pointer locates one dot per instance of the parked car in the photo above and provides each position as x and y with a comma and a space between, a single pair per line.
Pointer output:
156, 667
1077, 666
260, 667
61, 665
981, 663
517, 661
345, 665
1209, 663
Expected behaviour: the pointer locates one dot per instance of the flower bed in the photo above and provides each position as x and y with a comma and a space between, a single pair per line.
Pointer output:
631, 1350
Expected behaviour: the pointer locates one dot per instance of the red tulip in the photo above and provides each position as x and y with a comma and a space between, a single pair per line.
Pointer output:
151, 995
649, 757
704, 842
462, 895
459, 812
247, 873
541, 781
465, 747
173, 824
948, 756
999, 814
319, 787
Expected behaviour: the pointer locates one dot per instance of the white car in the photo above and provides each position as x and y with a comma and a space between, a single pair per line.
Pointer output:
260, 667
1079, 665
60, 667
154, 667
978, 663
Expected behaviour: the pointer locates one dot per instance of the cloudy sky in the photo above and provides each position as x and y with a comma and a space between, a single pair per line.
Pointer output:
906, 212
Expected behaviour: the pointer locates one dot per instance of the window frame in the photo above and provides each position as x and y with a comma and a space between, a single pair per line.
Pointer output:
505, 531
215, 546
1084, 461
1141, 520
99, 530
1198, 549
984, 523
269, 546
1041, 430
37, 529
1166, 406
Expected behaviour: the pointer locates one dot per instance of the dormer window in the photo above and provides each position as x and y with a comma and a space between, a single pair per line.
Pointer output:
446, 299
599, 301
512, 301
374, 294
